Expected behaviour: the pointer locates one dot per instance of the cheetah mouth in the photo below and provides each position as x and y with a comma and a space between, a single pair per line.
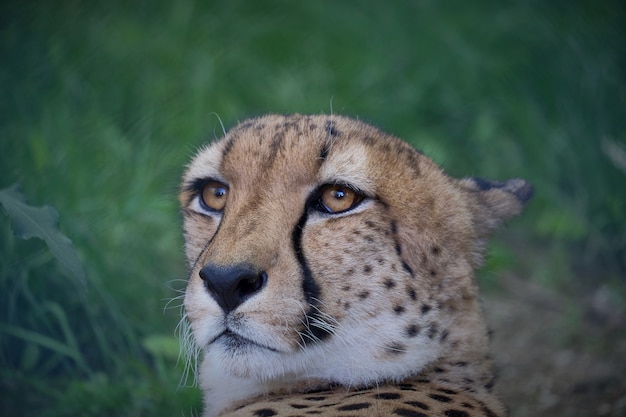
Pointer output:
235, 342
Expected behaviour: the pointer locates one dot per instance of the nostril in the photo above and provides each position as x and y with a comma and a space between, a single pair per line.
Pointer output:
251, 284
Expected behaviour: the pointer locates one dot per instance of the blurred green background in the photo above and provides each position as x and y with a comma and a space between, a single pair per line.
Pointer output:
103, 102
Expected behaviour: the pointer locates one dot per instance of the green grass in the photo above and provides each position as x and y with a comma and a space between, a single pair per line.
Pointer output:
103, 103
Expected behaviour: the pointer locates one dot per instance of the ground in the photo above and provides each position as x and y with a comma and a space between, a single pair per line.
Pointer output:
553, 362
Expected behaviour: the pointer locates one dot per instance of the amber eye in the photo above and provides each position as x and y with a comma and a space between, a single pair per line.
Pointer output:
335, 199
214, 195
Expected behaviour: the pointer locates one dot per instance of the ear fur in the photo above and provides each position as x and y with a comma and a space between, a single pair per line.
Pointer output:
495, 201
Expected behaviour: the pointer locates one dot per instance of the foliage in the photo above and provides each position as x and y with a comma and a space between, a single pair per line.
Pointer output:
103, 103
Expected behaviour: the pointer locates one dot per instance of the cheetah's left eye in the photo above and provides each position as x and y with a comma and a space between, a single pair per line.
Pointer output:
213, 196
335, 199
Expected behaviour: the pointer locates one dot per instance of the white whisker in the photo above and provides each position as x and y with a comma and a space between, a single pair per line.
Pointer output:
189, 352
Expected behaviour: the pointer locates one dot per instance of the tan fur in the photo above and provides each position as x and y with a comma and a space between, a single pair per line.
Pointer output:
393, 300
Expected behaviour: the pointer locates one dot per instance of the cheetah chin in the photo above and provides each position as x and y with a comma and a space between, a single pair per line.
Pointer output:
332, 273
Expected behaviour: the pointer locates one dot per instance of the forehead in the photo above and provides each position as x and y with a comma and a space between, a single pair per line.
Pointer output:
301, 150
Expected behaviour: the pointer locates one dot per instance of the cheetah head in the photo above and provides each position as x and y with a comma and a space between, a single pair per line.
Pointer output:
322, 250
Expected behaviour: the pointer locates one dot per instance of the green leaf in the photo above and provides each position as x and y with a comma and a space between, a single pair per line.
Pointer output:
41, 222
162, 345
44, 341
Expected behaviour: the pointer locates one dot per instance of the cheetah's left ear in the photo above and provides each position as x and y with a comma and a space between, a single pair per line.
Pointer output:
496, 201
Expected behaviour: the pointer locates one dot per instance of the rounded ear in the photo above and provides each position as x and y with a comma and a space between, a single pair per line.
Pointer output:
494, 201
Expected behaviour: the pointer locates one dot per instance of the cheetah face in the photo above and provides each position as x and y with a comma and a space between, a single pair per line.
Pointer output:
322, 248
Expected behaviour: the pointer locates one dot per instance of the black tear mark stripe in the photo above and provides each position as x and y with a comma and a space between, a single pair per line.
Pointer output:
310, 287
207, 244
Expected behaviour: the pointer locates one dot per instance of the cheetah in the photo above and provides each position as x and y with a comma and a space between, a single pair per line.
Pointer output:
332, 273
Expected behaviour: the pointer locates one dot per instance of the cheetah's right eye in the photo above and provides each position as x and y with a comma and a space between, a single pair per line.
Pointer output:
213, 196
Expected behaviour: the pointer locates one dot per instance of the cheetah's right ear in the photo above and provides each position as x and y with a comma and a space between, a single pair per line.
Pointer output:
495, 201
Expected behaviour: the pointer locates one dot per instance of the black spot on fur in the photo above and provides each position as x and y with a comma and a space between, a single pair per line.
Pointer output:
346, 288
489, 385
425, 308
443, 336
364, 294
407, 268
330, 128
299, 406
486, 410
407, 387
432, 331
440, 398
417, 404
412, 330
315, 398
367, 269
324, 152
265, 412
439, 370
228, 147
461, 363
395, 348
405, 412
435, 250
446, 391
353, 407
388, 396
399, 309
455, 413
389, 283
467, 405
412, 294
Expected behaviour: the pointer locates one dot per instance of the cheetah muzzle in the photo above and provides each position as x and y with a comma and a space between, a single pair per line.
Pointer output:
332, 273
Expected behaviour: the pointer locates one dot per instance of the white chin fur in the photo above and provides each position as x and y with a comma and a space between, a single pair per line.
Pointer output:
347, 357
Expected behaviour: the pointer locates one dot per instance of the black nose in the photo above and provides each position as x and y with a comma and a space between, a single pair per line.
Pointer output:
231, 286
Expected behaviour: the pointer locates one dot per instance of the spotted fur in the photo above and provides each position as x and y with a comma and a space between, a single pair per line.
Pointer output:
368, 312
